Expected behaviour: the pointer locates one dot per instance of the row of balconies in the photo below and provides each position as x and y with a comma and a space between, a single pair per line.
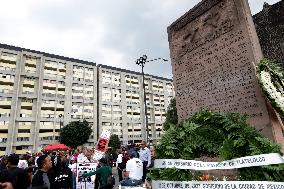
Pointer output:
9, 57
7, 67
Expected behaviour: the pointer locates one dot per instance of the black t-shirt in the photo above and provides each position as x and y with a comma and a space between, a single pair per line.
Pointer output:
63, 180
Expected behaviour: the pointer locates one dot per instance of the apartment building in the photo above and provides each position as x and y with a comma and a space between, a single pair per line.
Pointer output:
121, 103
41, 92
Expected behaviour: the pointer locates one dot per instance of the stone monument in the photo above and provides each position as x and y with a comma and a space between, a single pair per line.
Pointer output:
214, 51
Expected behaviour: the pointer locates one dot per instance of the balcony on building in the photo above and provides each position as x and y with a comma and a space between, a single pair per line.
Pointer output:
30, 62
48, 93
9, 57
26, 104
25, 125
62, 67
48, 105
4, 125
30, 70
60, 106
50, 74
49, 84
50, 65
7, 67
6, 79
46, 125
61, 75
28, 83
5, 102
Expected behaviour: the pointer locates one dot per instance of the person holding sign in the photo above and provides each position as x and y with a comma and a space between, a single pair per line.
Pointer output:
105, 172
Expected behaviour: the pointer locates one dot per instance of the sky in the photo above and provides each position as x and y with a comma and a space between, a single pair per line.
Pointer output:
109, 32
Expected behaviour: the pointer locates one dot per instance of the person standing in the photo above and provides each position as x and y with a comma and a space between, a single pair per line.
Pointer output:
105, 173
145, 157
17, 176
63, 174
3, 164
133, 171
132, 150
41, 178
120, 166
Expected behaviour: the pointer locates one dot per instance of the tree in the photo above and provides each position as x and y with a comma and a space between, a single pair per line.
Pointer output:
171, 115
75, 133
114, 142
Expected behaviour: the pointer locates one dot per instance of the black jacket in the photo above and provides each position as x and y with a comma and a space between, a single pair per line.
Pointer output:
43, 180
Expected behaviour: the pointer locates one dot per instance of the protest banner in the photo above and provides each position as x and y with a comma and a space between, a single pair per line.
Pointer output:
159, 184
102, 145
85, 182
248, 161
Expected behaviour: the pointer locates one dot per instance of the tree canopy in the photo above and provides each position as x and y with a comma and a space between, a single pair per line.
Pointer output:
76, 133
171, 115
114, 142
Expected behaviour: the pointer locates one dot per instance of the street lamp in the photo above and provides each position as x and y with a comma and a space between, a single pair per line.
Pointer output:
141, 62
60, 121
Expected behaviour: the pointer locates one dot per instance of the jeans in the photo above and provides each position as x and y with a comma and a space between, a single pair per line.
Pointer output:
74, 180
131, 182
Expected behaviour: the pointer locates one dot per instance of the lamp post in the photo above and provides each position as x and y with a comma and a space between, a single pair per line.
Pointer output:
60, 121
141, 62
60, 124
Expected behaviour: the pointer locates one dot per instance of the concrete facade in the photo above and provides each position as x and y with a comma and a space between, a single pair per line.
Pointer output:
269, 24
41, 92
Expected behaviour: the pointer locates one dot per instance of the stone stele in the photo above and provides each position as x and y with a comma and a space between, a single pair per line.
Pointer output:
214, 51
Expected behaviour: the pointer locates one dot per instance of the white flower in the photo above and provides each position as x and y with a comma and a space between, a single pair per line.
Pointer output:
268, 86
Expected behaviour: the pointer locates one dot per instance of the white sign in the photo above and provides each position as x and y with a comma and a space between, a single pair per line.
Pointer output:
105, 134
85, 182
159, 184
248, 161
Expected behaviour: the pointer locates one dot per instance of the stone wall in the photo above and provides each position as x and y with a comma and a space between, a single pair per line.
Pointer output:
269, 25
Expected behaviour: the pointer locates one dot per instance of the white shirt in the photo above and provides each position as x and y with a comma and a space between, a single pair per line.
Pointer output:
23, 164
119, 158
73, 167
145, 155
135, 168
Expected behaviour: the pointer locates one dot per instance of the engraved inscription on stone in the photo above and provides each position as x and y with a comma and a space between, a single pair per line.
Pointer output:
212, 65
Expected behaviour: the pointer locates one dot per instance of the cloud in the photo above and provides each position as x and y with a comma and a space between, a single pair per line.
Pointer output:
111, 32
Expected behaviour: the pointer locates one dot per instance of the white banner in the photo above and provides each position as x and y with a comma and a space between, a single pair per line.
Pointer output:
85, 182
159, 184
248, 161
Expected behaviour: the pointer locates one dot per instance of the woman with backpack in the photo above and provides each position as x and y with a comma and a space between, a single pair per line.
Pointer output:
106, 178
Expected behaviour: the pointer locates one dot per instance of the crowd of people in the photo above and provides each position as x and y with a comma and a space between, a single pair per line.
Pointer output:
57, 169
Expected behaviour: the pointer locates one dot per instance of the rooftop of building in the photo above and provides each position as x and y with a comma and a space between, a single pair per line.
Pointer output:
14, 48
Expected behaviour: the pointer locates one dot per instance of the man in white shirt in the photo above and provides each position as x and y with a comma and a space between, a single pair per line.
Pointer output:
133, 172
145, 157
119, 165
